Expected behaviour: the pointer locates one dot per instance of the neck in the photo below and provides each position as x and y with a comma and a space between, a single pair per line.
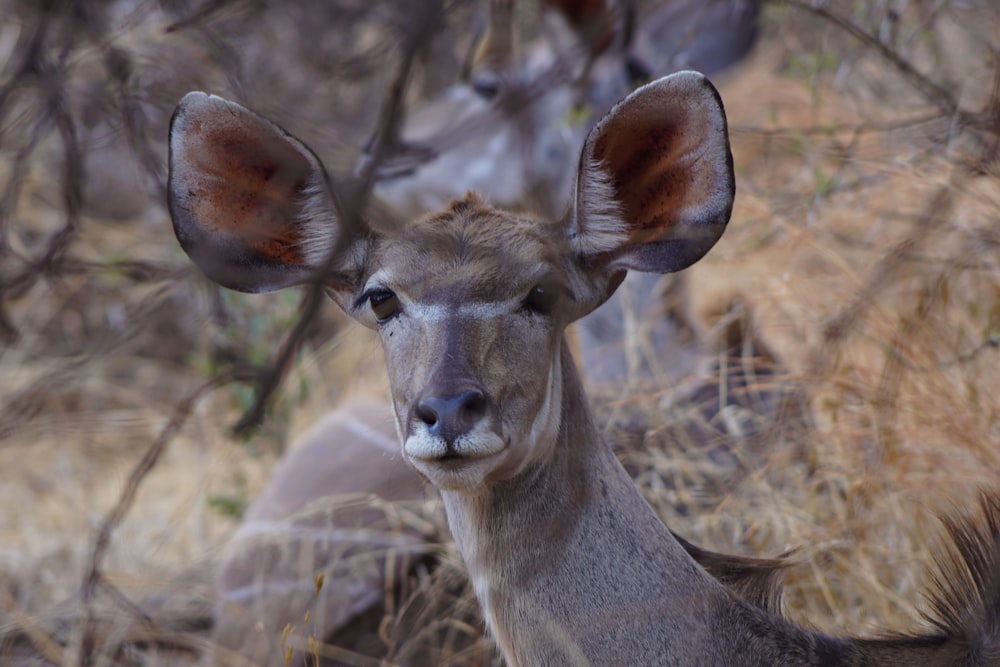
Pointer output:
568, 559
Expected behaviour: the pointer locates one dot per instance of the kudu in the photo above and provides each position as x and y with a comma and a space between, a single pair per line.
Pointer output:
568, 561
298, 527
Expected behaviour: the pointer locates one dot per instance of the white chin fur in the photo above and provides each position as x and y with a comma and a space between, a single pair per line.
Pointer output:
477, 450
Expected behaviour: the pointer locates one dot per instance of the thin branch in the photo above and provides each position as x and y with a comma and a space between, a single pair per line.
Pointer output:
94, 576
830, 129
936, 95
349, 210
838, 328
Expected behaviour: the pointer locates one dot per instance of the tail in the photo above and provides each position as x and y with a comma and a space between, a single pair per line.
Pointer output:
965, 596
964, 602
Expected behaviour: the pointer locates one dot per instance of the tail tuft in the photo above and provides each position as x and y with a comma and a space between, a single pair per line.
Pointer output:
965, 596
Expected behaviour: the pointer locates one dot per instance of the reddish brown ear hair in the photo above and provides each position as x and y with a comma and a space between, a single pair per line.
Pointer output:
251, 204
656, 183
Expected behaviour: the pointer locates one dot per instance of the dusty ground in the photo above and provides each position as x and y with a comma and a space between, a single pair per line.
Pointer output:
863, 244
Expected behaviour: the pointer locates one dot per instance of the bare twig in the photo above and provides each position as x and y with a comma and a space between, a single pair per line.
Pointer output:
349, 210
49, 74
203, 14
830, 129
882, 277
93, 574
935, 93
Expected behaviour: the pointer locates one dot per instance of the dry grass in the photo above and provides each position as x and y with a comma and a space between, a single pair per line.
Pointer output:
863, 244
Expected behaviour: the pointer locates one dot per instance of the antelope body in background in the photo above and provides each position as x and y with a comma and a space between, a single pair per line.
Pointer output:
327, 516
569, 563
510, 131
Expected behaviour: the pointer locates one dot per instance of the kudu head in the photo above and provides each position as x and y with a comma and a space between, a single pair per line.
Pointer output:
470, 302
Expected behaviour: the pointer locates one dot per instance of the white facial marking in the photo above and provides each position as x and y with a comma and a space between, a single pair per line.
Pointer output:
473, 310
545, 426
438, 312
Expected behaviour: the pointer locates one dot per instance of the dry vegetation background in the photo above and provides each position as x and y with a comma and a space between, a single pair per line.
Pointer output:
862, 253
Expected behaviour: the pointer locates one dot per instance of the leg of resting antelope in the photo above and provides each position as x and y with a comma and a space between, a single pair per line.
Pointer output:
570, 564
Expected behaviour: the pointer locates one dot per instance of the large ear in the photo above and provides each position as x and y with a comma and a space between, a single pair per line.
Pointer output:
656, 185
251, 204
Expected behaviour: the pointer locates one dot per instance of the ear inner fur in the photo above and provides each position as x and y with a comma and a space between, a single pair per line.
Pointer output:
247, 199
664, 153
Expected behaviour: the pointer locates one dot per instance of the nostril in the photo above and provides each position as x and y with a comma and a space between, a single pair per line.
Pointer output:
472, 406
426, 413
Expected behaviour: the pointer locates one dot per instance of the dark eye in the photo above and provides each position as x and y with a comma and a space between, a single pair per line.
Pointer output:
541, 299
384, 304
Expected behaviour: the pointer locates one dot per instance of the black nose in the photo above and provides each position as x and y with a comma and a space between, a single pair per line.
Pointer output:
452, 416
